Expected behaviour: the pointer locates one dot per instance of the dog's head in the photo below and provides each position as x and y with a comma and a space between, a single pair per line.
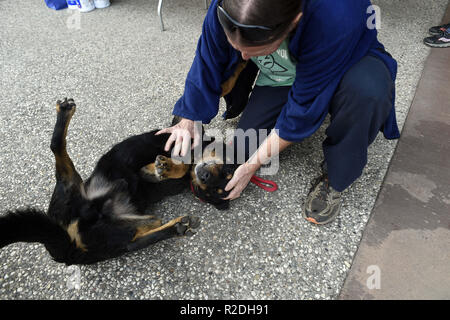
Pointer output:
212, 171
210, 175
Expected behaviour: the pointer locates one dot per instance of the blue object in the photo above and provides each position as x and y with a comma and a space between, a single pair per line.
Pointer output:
331, 37
362, 102
56, 4
358, 110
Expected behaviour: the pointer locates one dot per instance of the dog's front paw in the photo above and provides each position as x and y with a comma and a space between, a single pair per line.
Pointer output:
166, 168
163, 167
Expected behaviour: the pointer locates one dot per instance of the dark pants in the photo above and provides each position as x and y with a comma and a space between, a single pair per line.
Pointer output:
358, 110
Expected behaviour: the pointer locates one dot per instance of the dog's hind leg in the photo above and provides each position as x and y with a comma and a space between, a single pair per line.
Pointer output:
142, 223
65, 170
68, 181
164, 168
181, 226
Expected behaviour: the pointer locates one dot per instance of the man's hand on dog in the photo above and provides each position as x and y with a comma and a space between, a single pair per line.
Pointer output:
240, 180
182, 133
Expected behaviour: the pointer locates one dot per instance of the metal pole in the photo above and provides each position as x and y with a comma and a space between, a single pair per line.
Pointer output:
160, 14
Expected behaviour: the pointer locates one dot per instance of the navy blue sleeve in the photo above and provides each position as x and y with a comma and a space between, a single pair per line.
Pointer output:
333, 35
200, 101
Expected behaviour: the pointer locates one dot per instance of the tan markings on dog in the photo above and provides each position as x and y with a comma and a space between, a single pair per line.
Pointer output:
135, 217
74, 235
212, 154
142, 232
67, 120
229, 176
173, 171
64, 165
209, 154
149, 169
228, 85
219, 191
177, 171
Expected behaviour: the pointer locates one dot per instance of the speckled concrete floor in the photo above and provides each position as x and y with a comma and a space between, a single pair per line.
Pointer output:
125, 76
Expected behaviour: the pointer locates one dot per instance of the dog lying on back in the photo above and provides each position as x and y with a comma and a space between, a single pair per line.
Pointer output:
104, 216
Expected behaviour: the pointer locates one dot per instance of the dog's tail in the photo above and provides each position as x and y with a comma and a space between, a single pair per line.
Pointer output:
31, 225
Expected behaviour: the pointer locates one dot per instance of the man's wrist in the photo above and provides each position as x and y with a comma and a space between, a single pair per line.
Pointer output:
252, 166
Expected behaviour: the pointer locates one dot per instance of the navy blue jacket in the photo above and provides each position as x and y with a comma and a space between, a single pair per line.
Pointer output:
330, 37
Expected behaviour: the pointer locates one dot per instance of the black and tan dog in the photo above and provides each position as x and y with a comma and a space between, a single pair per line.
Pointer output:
105, 216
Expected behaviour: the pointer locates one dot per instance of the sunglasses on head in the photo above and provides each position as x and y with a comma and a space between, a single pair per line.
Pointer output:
252, 33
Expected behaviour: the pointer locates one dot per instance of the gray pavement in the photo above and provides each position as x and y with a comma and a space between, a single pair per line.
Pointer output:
125, 76
405, 245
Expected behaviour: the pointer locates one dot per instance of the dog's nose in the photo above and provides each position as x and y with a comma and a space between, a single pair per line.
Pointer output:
203, 175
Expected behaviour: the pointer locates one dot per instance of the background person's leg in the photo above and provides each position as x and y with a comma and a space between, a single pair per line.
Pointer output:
358, 110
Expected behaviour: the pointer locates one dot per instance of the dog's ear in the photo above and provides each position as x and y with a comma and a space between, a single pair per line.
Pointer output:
223, 205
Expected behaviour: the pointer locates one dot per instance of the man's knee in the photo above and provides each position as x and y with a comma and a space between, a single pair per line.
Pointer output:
365, 91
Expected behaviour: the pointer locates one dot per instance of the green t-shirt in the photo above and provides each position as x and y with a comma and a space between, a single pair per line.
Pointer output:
277, 69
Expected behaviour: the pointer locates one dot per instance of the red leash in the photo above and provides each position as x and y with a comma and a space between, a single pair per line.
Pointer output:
193, 192
267, 185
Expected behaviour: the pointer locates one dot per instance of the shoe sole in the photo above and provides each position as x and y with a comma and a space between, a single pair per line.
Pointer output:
312, 220
435, 33
445, 45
